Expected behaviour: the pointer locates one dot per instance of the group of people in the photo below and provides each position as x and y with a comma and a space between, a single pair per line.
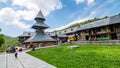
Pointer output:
13, 50
10, 49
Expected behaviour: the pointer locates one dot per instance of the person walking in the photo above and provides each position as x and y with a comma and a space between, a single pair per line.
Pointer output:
40, 45
16, 53
33, 47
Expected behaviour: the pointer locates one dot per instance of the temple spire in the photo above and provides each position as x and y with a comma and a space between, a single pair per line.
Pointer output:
39, 16
40, 26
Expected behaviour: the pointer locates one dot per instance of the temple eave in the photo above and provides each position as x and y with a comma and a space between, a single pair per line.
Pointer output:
39, 41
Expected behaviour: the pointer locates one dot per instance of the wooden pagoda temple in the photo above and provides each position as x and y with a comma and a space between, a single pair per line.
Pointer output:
40, 38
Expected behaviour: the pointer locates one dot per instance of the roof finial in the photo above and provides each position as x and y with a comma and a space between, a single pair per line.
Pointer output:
40, 15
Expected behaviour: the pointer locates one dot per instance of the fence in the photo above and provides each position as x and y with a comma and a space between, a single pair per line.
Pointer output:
97, 42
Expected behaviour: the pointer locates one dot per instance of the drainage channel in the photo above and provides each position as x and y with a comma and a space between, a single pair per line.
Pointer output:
10, 57
21, 63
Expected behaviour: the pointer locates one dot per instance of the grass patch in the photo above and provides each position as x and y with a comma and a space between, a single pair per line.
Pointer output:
87, 56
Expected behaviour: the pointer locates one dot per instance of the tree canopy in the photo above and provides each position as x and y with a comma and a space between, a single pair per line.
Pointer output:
2, 40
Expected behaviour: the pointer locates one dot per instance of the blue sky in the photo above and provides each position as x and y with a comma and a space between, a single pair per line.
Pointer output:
17, 16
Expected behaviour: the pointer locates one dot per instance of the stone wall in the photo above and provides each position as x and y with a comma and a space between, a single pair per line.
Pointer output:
48, 44
43, 44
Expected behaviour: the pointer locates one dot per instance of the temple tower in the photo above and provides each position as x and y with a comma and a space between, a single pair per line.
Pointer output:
40, 36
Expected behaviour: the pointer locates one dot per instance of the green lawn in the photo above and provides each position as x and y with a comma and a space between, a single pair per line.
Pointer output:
87, 56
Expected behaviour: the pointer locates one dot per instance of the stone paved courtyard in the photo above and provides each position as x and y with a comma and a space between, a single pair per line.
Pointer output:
24, 61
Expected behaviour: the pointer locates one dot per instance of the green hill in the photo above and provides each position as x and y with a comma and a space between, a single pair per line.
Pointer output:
9, 41
82, 23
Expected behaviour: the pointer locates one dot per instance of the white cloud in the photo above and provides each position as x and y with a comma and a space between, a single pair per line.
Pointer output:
79, 1
89, 2
26, 14
9, 17
20, 24
33, 6
13, 16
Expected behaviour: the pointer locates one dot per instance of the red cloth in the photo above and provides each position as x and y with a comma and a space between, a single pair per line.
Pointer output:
95, 39
30, 43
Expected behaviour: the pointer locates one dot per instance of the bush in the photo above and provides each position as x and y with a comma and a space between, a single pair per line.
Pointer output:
2, 40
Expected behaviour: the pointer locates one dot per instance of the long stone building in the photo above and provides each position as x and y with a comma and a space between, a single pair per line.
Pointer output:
105, 29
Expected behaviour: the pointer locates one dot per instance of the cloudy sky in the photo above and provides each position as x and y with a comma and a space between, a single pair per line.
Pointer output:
17, 16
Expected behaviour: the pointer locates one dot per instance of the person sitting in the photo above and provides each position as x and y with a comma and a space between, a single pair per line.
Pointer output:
21, 49
7, 49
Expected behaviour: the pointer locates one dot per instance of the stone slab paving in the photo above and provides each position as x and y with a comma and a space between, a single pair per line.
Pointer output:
13, 62
32, 62
2, 61
24, 61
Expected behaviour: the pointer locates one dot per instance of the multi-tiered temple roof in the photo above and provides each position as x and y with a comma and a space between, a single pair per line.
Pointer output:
40, 26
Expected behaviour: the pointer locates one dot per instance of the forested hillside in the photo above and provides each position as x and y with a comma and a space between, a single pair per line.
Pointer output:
82, 23
11, 40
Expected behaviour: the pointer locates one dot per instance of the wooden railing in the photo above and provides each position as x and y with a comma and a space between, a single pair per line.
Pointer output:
97, 42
